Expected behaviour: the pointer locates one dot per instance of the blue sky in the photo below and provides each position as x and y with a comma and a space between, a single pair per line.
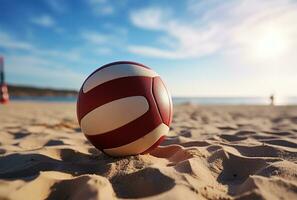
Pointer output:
200, 48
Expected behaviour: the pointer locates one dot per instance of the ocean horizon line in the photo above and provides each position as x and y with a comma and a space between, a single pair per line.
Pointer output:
200, 100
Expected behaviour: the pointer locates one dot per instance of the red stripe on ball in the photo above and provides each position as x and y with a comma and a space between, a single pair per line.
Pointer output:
163, 100
112, 90
127, 133
128, 86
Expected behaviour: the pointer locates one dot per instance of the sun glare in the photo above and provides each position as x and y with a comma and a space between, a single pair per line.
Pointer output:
270, 44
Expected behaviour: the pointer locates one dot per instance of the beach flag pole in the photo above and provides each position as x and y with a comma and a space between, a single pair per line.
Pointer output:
4, 97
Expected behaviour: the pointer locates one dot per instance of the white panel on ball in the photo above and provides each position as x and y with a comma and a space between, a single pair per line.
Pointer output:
114, 114
140, 145
114, 72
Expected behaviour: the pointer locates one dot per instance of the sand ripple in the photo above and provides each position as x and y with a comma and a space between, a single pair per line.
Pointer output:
213, 152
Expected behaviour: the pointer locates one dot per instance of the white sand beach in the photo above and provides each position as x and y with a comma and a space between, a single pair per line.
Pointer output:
212, 152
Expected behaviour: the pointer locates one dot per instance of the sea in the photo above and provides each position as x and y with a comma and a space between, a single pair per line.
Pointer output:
187, 100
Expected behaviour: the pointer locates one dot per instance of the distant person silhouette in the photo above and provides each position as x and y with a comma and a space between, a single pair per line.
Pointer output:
272, 99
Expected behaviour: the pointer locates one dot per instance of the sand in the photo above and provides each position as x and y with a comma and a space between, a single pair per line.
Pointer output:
212, 152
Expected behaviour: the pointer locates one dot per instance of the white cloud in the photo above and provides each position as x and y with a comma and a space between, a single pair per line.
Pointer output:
36, 70
115, 29
216, 27
153, 52
190, 41
14, 45
104, 43
97, 1
105, 10
57, 5
39, 66
11, 43
44, 20
95, 37
153, 18
103, 51
101, 7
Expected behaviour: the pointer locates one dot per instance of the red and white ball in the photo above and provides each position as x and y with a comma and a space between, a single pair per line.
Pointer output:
124, 108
